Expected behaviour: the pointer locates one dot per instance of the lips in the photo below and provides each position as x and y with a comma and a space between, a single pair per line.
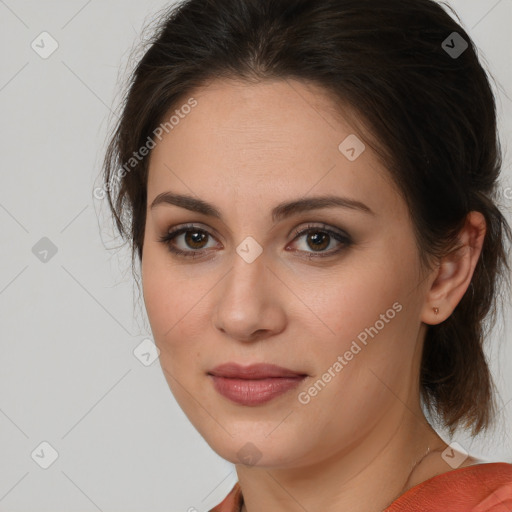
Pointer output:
255, 384
253, 372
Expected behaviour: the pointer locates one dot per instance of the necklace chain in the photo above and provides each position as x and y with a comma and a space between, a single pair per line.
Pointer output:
409, 477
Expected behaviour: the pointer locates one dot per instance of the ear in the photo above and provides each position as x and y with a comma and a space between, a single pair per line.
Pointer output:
453, 276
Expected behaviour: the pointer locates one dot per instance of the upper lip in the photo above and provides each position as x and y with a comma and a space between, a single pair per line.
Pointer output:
253, 371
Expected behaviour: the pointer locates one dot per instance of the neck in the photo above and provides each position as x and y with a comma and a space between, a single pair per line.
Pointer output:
365, 477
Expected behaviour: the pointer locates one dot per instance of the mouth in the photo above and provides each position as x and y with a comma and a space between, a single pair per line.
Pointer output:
255, 384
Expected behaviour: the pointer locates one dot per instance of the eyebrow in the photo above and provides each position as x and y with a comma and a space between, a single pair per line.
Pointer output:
280, 212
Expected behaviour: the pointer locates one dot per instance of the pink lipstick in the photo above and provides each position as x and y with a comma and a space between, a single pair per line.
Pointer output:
255, 384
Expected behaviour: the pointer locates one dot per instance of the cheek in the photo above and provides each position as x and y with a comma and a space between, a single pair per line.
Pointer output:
368, 317
163, 297
166, 311
357, 366
175, 309
350, 302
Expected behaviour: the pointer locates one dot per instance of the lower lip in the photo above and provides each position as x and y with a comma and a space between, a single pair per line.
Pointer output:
254, 392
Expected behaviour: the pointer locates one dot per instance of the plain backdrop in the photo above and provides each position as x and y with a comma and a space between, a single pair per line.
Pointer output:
71, 322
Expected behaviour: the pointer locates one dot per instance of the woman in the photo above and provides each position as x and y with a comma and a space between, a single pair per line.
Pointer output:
310, 187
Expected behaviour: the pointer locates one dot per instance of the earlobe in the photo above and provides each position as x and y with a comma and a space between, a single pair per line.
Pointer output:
448, 277
453, 276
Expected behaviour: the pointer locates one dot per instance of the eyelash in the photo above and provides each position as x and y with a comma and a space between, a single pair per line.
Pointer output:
345, 240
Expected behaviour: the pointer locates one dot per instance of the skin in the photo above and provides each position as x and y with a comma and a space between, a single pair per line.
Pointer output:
245, 148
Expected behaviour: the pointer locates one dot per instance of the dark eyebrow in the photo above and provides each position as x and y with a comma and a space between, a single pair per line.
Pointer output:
280, 212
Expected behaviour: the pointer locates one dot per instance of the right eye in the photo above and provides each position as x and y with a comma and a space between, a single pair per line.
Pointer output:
186, 241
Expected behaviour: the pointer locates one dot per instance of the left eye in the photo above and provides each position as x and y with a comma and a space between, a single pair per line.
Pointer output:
319, 239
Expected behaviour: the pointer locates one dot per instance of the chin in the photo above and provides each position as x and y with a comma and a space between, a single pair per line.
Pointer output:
247, 448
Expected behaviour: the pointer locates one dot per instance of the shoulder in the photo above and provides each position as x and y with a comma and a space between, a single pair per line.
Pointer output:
232, 502
483, 487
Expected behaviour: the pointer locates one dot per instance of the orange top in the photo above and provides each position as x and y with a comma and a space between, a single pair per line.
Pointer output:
477, 488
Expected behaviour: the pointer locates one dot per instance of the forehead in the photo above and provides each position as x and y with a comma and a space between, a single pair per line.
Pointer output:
243, 137
236, 119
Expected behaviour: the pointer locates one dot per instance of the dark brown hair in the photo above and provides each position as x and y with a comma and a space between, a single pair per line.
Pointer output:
431, 112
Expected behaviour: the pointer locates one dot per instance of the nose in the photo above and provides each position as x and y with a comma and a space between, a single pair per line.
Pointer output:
249, 304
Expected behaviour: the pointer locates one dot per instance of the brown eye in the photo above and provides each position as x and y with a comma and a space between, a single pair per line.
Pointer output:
195, 239
318, 238
191, 241
187, 241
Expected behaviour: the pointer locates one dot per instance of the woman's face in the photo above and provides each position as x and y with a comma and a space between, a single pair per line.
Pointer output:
340, 306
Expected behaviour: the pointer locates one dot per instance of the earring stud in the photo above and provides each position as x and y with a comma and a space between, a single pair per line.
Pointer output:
436, 311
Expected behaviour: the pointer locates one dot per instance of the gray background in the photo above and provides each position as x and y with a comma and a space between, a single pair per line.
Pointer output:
70, 324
